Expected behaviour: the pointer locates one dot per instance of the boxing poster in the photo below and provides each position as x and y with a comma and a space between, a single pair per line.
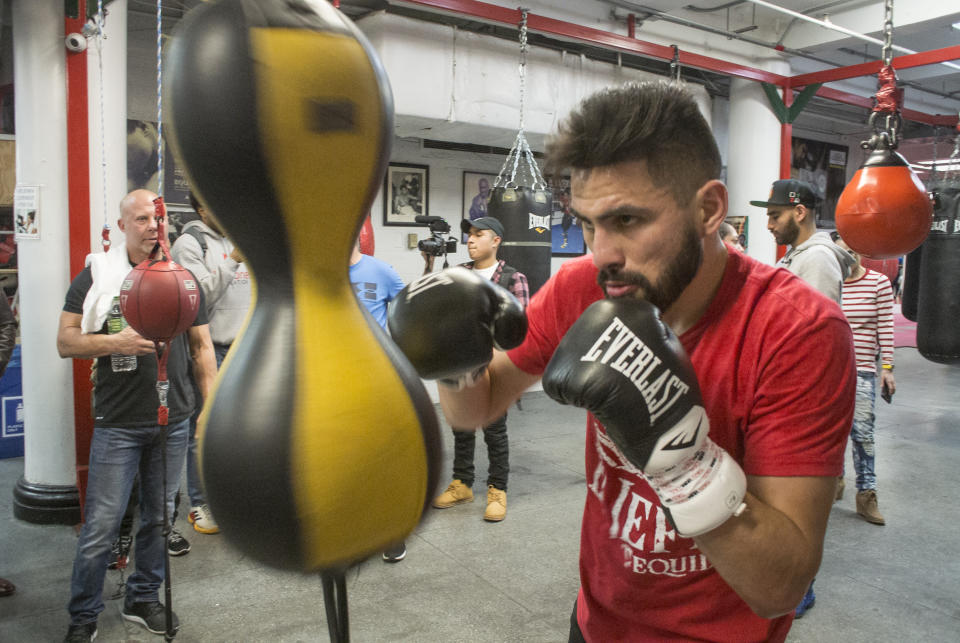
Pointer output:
142, 168
824, 166
476, 194
565, 229
405, 190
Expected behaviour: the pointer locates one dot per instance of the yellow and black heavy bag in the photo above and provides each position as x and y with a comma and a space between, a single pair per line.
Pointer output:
525, 215
283, 117
938, 306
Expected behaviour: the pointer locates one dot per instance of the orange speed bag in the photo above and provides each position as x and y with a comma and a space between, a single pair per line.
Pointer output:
884, 212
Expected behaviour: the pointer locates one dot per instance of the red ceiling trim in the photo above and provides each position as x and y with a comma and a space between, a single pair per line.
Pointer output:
486, 12
946, 54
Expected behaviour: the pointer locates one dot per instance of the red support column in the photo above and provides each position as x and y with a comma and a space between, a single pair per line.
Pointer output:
78, 186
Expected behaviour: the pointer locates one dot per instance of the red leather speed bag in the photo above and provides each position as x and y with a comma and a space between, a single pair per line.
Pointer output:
159, 299
884, 211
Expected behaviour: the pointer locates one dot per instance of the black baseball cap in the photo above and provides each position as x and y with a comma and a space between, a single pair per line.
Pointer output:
789, 192
483, 223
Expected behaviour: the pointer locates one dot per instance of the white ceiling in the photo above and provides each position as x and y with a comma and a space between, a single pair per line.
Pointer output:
721, 26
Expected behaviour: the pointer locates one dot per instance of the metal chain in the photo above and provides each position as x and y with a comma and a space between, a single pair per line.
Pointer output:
887, 32
159, 98
523, 62
103, 129
520, 146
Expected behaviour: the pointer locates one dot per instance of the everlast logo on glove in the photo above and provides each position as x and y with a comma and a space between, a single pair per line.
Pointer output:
620, 349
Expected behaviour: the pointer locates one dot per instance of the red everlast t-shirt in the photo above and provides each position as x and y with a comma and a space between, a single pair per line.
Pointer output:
775, 363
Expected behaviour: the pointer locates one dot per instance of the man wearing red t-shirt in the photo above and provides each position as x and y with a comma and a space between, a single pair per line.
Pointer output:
773, 362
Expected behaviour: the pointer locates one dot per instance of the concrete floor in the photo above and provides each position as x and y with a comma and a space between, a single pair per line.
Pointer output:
467, 580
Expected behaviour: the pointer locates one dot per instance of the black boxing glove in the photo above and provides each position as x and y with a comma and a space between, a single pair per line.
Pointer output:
624, 365
447, 324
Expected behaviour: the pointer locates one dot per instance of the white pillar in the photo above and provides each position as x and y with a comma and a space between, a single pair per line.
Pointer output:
48, 485
111, 142
753, 159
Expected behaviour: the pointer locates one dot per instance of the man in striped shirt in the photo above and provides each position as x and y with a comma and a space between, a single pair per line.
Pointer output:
868, 306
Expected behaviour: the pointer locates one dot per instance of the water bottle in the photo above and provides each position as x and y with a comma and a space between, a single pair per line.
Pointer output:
116, 323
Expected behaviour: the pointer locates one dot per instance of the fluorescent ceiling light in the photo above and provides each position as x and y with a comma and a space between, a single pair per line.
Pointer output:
956, 26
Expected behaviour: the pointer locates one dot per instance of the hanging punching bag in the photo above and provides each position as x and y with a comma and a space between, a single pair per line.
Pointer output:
910, 295
367, 245
884, 212
938, 311
525, 215
314, 400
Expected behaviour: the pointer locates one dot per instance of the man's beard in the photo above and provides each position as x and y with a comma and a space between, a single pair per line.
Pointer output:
676, 276
789, 236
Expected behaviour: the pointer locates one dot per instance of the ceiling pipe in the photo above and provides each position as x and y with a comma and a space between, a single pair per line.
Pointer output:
829, 25
662, 15
496, 14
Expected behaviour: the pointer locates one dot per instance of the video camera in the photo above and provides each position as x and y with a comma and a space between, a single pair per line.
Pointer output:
440, 244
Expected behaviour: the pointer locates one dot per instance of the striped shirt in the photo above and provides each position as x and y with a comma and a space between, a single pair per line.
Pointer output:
868, 305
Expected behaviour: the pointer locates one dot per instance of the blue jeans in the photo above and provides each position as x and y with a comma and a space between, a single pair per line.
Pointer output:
194, 483
861, 437
116, 455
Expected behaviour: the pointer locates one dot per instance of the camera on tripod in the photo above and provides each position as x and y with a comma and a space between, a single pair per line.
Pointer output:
440, 243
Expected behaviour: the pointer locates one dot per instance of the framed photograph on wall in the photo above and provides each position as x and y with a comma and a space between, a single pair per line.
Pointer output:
477, 187
405, 191
566, 232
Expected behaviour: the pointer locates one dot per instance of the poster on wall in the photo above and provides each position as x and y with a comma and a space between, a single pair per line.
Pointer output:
824, 166
405, 191
476, 193
142, 164
26, 212
565, 229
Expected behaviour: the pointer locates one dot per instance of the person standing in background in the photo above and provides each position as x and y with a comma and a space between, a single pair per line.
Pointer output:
868, 306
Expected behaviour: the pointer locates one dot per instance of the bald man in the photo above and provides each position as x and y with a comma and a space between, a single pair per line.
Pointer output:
127, 439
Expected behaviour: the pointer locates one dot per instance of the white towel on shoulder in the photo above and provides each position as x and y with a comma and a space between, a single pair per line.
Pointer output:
108, 270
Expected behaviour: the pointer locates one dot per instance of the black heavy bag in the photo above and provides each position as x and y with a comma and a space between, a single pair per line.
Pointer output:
938, 312
525, 215
910, 296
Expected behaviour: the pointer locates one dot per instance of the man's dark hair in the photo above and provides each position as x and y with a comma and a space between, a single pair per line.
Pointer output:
657, 122
194, 202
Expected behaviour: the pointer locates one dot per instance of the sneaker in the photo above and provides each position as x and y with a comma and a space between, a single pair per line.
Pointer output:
81, 633
455, 494
496, 505
151, 615
840, 487
120, 552
178, 545
202, 520
395, 554
867, 507
808, 600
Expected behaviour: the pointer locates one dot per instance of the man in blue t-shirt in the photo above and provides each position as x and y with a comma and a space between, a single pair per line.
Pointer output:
376, 283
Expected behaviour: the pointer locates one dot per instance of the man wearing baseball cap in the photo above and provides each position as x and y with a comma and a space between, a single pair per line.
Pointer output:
485, 236
791, 218
813, 256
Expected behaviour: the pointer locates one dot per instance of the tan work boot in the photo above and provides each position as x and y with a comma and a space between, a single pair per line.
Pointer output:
840, 486
867, 507
496, 505
455, 494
